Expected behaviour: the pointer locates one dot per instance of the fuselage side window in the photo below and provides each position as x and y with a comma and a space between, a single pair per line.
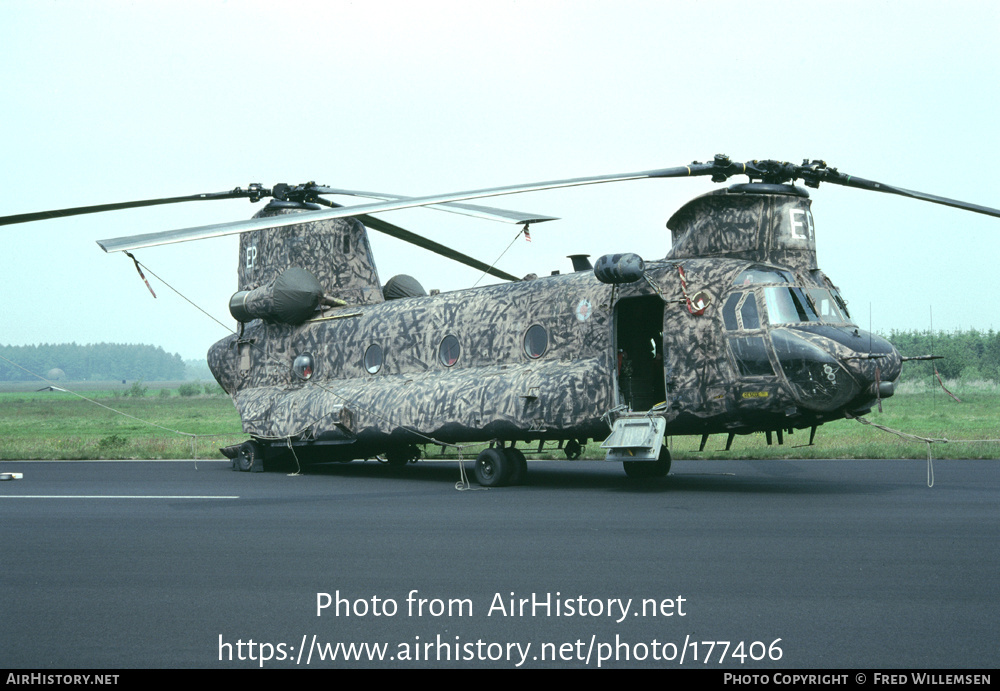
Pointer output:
536, 340
449, 351
373, 358
303, 366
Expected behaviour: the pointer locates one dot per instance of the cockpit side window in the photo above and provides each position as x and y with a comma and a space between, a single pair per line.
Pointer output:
842, 303
749, 351
740, 312
729, 312
750, 354
829, 305
788, 306
748, 313
823, 281
762, 274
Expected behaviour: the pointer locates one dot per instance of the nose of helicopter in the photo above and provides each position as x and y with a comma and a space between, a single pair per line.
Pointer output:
833, 368
875, 363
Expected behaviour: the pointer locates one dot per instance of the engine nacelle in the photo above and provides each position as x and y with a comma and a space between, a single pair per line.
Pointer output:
619, 268
290, 299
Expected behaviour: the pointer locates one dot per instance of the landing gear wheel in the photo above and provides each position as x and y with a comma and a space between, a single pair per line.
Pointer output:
399, 457
251, 454
519, 466
642, 470
396, 461
493, 468
573, 449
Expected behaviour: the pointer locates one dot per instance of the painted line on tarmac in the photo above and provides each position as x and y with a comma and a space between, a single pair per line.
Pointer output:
124, 460
114, 496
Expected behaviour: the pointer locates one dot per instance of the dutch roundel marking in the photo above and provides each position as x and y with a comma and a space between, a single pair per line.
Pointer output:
699, 302
583, 310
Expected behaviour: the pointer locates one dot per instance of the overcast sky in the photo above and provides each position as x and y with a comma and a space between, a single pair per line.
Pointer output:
113, 101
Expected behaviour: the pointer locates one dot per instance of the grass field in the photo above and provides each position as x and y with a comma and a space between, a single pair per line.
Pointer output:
55, 425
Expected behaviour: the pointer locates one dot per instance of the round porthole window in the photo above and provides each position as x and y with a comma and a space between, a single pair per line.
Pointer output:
373, 358
449, 351
536, 340
303, 366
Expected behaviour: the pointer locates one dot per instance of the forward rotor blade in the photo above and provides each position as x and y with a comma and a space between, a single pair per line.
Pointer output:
98, 208
220, 229
861, 183
487, 212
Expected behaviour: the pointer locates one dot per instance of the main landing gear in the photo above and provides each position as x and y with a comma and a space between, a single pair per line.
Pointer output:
250, 457
497, 467
643, 470
398, 457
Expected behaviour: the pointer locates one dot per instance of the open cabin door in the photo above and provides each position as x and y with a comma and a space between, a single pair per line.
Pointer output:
639, 352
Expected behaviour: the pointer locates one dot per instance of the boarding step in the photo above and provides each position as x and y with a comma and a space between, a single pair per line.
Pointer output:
635, 437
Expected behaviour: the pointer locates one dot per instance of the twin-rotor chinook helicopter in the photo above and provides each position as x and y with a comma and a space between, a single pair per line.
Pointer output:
735, 331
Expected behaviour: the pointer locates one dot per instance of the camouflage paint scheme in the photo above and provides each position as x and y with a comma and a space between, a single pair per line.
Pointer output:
575, 389
336, 252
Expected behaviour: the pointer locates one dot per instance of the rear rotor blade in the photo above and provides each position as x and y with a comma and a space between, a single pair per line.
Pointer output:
420, 241
437, 248
98, 208
721, 169
220, 229
488, 212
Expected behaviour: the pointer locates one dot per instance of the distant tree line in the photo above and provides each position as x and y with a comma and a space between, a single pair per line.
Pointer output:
97, 361
970, 355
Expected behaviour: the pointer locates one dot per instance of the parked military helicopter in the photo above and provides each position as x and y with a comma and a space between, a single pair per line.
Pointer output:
735, 331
